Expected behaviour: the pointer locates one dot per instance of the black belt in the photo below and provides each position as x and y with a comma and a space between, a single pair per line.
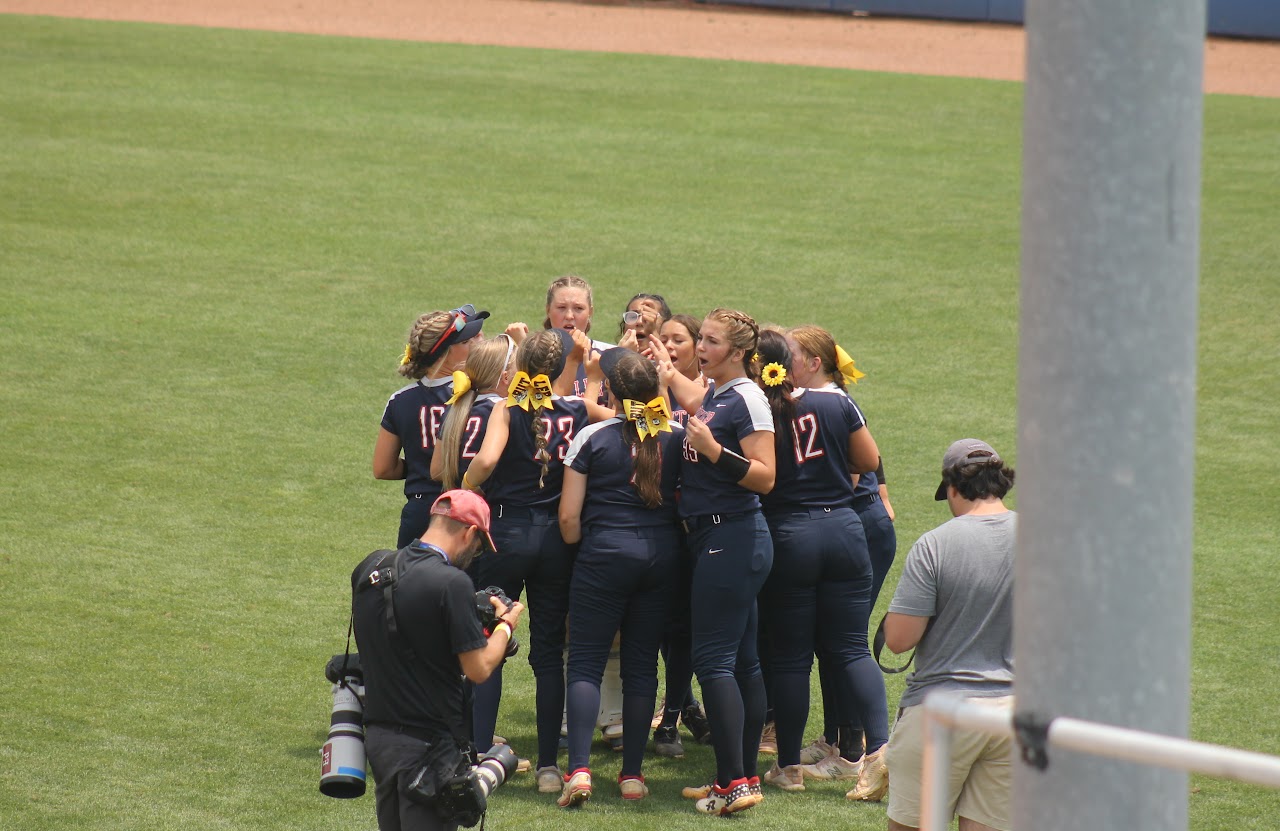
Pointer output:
694, 523
811, 513
861, 503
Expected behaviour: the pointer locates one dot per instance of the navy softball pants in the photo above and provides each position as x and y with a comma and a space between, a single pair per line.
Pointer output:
531, 555
732, 555
818, 596
621, 582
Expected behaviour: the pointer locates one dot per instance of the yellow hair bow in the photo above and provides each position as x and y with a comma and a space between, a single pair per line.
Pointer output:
408, 355
651, 419
526, 392
845, 364
461, 386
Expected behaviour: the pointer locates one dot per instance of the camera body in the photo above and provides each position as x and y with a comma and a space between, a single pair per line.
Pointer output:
488, 617
464, 798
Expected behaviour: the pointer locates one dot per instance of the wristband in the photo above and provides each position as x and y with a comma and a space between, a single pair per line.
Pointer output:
500, 624
467, 485
880, 472
733, 464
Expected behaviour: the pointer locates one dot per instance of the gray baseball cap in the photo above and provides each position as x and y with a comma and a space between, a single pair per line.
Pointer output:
961, 453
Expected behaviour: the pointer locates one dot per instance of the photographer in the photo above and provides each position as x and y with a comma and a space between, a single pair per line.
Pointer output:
416, 644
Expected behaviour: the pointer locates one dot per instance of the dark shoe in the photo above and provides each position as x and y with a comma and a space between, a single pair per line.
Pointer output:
695, 721
666, 742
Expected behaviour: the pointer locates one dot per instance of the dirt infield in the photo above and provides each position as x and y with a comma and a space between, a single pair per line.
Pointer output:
670, 27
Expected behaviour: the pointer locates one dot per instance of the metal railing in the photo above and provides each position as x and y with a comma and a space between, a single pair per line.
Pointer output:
945, 712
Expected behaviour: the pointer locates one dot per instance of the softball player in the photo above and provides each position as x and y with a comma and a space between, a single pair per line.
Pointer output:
523, 493
470, 435
727, 460
820, 363
819, 591
438, 344
619, 501
678, 345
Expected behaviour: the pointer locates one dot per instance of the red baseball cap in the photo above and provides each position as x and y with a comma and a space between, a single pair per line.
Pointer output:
467, 507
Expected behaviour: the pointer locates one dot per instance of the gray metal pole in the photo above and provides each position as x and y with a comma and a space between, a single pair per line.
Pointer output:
1106, 391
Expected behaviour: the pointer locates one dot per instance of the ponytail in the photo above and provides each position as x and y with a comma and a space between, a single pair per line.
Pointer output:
778, 386
635, 377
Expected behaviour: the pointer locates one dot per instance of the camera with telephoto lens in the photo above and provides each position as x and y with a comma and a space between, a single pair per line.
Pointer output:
489, 616
342, 759
464, 798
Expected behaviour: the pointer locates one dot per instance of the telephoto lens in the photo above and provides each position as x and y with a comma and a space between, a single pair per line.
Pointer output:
494, 767
342, 759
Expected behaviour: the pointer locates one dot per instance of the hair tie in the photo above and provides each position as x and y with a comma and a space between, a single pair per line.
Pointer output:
651, 419
461, 386
408, 355
845, 364
773, 374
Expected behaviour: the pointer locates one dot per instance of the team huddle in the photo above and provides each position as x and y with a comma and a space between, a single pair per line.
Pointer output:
705, 489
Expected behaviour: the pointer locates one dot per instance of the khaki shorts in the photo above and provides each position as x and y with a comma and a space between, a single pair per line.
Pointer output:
981, 773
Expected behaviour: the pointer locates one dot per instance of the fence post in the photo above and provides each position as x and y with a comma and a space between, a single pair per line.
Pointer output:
1106, 391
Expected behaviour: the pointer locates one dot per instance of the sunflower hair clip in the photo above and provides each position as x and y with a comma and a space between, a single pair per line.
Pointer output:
773, 374
408, 355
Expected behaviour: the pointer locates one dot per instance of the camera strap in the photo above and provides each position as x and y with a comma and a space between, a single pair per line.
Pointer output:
877, 646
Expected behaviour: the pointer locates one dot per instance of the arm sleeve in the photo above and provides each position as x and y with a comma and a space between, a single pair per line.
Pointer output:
917, 592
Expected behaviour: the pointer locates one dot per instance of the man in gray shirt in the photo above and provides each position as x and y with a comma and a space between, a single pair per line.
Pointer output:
954, 604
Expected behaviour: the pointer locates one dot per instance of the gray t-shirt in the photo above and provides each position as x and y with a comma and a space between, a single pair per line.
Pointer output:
962, 572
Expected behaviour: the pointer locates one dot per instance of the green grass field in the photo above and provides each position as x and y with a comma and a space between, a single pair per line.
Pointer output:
212, 244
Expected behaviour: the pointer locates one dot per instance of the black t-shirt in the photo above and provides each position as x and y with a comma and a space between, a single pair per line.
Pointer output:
415, 680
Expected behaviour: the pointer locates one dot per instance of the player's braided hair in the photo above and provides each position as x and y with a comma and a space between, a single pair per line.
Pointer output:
636, 377
539, 355
424, 334
485, 363
773, 349
816, 342
568, 281
740, 330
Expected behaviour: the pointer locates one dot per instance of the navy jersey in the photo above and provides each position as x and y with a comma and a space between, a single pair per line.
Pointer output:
474, 431
415, 413
813, 468
514, 481
733, 412
679, 414
580, 380
601, 452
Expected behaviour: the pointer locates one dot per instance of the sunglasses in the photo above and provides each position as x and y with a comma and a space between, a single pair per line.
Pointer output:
456, 325
631, 318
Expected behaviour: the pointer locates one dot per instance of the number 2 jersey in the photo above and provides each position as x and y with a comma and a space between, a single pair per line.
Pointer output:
415, 413
813, 466
514, 481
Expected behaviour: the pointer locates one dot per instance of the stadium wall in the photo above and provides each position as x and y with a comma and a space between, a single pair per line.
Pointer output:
1235, 18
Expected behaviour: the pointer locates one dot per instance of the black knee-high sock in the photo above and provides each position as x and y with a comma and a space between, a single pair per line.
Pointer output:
484, 711
679, 665
723, 702
584, 705
791, 708
829, 682
549, 709
637, 713
754, 705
